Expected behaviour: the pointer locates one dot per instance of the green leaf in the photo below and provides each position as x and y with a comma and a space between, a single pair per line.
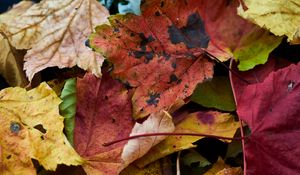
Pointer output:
254, 48
68, 107
216, 93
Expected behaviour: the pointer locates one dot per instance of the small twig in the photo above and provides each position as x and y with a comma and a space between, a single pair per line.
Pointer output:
171, 134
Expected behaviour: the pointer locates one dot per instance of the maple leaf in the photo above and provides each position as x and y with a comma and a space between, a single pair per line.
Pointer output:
270, 106
212, 122
11, 64
31, 128
280, 17
54, 31
104, 114
138, 47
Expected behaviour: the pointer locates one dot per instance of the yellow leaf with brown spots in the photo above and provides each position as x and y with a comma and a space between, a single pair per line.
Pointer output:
31, 128
281, 17
211, 123
55, 32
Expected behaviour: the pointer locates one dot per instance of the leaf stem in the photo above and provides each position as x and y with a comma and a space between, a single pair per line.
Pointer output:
230, 70
171, 134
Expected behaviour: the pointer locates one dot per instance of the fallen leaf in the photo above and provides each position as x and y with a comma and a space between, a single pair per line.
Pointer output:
216, 93
11, 63
156, 122
280, 17
68, 107
138, 48
212, 122
31, 128
270, 106
54, 31
104, 114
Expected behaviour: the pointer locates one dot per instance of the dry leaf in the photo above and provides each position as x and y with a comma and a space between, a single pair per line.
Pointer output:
31, 128
55, 32
11, 63
212, 122
104, 114
281, 17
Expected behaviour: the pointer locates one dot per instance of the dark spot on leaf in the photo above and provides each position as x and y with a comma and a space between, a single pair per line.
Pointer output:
153, 99
157, 13
106, 97
186, 86
148, 56
193, 35
138, 54
206, 118
15, 127
173, 78
116, 30
42, 137
8, 157
174, 65
145, 41
87, 43
162, 3
40, 128
113, 120
132, 34
174, 146
167, 56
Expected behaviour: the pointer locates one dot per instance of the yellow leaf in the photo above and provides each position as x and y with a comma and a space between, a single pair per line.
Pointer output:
213, 123
31, 128
281, 17
11, 64
220, 168
55, 32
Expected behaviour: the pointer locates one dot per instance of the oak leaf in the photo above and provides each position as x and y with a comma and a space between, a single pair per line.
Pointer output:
31, 128
104, 114
269, 104
212, 122
54, 31
280, 17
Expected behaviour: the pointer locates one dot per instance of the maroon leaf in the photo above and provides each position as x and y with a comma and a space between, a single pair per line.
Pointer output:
270, 105
103, 113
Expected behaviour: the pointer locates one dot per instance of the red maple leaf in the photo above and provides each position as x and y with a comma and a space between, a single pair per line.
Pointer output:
270, 105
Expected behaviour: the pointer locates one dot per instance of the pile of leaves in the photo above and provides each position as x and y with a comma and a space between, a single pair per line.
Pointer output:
179, 87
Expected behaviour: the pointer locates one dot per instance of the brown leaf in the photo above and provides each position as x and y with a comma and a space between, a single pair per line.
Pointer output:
55, 32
